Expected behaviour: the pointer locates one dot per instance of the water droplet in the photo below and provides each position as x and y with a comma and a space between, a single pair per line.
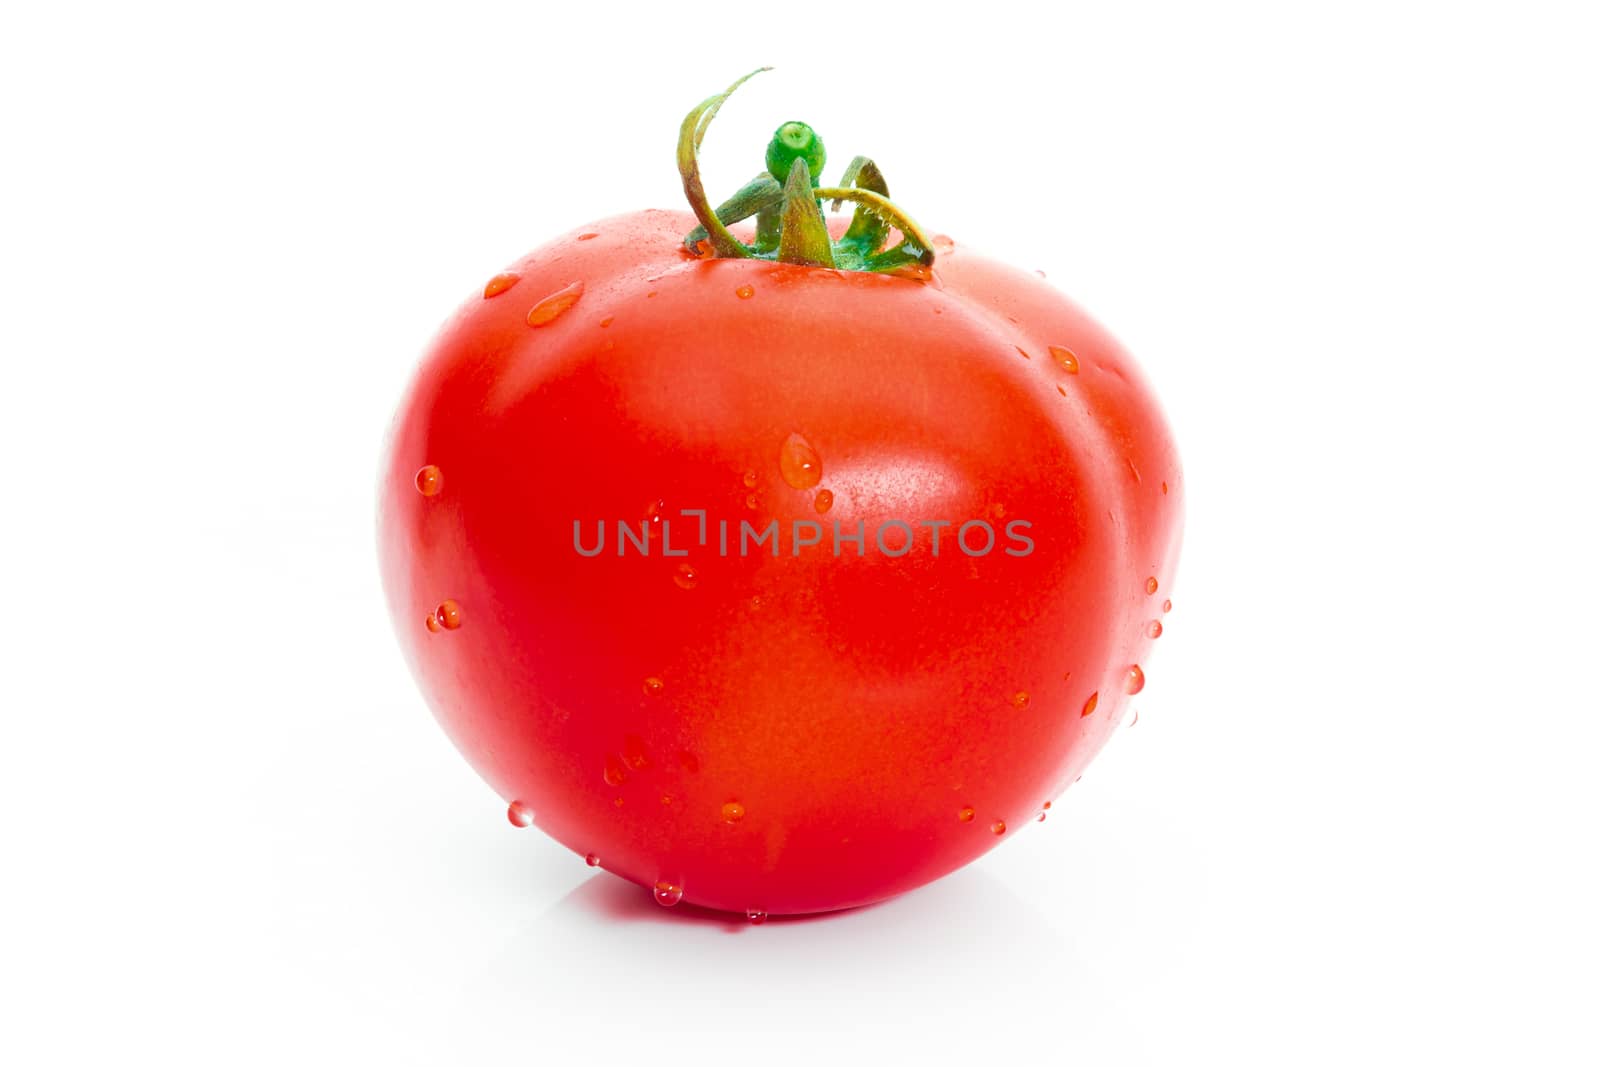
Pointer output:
449, 614
752, 501
756, 916
1061, 389
749, 479
1022, 352
824, 500
592, 860
915, 271
553, 306
653, 518
997, 827
1019, 699
686, 576
1041, 817
1090, 704
1065, 358
429, 480
1152, 628
1047, 805
943, 241
1135, 720
653, 686
651, 293
966, 814
732, 811
633, 752
607, 321
1135, 680
744, 292
668, 893
1163, 487
587, 236
1040, 273
1167, 606
1150, 586
799, 463
432, 623
614, 773
500, 283
618, 802
519, 814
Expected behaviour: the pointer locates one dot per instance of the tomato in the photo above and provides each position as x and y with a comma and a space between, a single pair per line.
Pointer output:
814, 720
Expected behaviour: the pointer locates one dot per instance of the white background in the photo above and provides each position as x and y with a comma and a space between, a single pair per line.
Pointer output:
1355, 246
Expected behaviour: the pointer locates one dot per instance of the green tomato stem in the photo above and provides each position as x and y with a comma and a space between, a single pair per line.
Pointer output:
789, 223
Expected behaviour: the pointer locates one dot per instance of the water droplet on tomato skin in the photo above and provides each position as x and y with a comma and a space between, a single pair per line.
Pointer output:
744, 292
430, 480
500, 283
1135, 720
614, 773
653, 686
587, 236
997, 827
1153, 629
799, 463
449, 615
749, 479
592, 860
1166, 607
1135, 680
732, 811
686, 576
919, 272
1019, 700
432, 623
756, 916
1064, 358
668, 893
555, 305
966, 814
1150, 586
752, 502
519, 814
1041, 817
1090, 704
1022, 352
824, 501
1046, 805
653, 518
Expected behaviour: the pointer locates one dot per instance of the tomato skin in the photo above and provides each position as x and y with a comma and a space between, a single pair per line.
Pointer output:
797, 734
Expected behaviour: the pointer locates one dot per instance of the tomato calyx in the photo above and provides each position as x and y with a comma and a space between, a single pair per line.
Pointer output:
786, 203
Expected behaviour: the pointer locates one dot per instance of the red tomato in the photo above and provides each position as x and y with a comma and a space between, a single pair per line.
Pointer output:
787, 733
